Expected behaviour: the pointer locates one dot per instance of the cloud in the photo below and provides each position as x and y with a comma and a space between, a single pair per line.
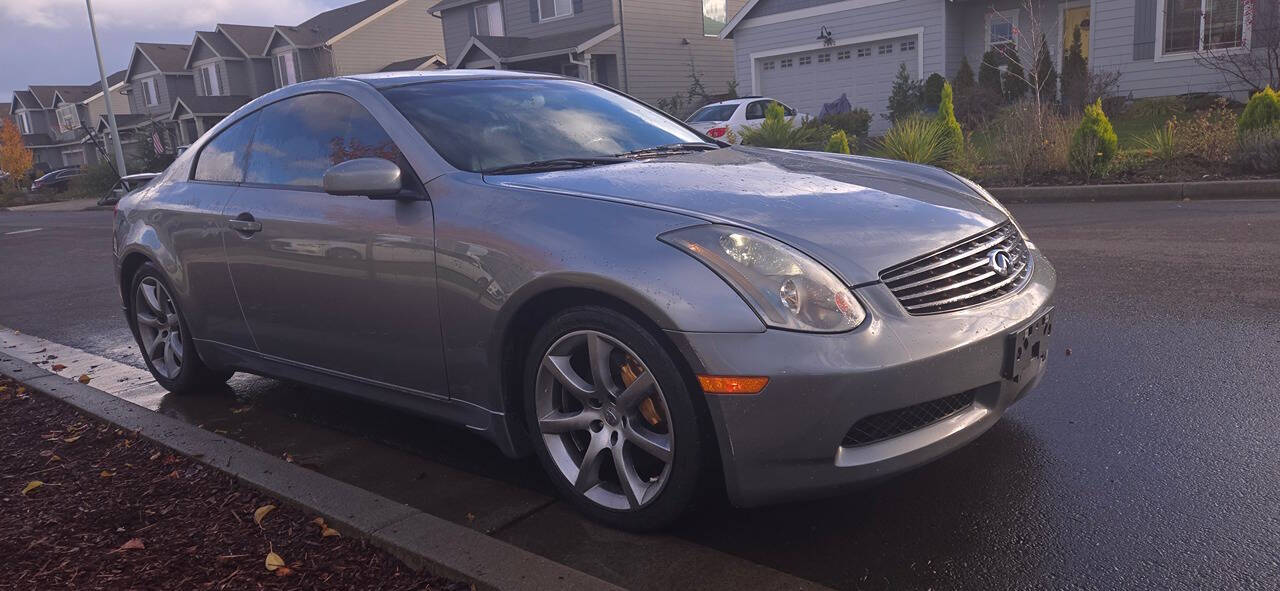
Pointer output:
159, 14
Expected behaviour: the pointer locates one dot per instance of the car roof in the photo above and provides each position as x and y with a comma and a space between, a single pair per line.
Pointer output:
393, 79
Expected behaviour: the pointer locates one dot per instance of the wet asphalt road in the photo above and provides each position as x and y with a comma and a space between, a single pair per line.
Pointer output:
1148, 457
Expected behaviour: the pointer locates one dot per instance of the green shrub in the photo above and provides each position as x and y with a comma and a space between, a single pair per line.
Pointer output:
1258, 150
1075, 75
933, 90
855, 123
915, 139
1046, 73
905, 99
1094, 144
1262, 111
947, 119
989, 72
1015, 80
1162, 143
963, 80
779, 131
838, 143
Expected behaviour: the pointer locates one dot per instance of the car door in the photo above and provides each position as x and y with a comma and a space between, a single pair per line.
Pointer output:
341, 284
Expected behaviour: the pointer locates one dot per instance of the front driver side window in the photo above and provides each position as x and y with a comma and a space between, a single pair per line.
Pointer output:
299, 138
222, 160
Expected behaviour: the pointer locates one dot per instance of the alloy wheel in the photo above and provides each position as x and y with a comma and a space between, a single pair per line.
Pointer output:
159, 329
604, 420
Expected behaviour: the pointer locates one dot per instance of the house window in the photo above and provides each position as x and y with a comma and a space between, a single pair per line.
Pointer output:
908, 45
67, 119
844, 55
785, 63
885, 49
149, 92
1197, 25
824, 58
863, 52
767, 65
805, 60
285, 69
715, 14
489, 19
208, 79
549, 9
24, 123
1001, 27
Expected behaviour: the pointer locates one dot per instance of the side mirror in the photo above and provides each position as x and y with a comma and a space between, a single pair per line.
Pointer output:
375, 178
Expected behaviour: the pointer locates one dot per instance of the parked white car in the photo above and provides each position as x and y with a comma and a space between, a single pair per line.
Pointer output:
716, 119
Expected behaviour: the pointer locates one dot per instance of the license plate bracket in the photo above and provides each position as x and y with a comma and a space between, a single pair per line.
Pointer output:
1027, 346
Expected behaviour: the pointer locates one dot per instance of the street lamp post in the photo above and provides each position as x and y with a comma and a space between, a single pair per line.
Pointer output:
106, 94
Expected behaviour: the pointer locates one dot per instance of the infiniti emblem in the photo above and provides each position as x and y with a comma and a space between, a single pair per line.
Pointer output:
998, 260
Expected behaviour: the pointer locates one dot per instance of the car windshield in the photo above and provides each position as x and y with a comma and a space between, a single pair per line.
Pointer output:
487, 124
712, 113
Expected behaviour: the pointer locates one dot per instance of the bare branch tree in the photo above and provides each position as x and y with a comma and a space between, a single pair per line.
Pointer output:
1025, 46
1255, 65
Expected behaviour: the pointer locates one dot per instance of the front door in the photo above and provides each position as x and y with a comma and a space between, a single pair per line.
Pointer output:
1074, 17
341, 284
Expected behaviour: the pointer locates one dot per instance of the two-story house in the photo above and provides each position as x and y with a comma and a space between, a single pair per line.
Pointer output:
55, 121
648, 48
229, 67
807, 52
354, 39
156, 78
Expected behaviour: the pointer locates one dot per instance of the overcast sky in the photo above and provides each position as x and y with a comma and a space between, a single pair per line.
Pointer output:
48, 42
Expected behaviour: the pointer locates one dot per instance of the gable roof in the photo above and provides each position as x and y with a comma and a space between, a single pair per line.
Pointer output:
75, 94
331, 24
737, 18
251, 40
43, 93
170, 58
512, 49
216, 42
123, 121
425, 62
447, 4
207, 105
25, 99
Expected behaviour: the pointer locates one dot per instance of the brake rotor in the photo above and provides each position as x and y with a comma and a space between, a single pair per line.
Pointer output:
631, 370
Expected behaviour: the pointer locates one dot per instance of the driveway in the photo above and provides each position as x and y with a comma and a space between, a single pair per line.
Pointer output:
1148, 457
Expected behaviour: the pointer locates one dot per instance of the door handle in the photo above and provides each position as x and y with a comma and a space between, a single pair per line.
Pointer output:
245, 224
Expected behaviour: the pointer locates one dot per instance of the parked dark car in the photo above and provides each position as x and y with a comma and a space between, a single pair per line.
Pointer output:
56, 181
573, 274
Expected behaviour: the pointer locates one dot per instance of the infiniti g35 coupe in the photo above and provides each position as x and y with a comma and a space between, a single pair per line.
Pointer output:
572, 274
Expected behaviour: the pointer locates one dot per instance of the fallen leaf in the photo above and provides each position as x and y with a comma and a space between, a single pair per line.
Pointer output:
71, 439
58, 367
174, 474
329, 532
274, 561
34, 484
283, 571
106, 474
134, 544
319, 521
288, 457
261, 513
84, 378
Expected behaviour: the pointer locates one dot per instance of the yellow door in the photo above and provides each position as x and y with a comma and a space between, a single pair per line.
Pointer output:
1072, 18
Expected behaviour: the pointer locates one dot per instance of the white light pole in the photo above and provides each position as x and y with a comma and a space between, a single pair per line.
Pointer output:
106, 94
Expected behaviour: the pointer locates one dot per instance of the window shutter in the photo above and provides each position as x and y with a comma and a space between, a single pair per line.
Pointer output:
1144, 30
577, 6
222, 77
533, 10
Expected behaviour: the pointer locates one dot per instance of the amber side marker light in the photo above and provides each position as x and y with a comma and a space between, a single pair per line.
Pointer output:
732, 384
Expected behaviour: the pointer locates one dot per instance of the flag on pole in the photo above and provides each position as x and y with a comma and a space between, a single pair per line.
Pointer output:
155, 142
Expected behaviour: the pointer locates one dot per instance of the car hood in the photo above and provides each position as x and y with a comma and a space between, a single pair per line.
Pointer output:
856, 215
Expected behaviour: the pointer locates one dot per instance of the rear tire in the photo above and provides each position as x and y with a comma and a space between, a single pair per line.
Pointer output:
631, 454
163, 338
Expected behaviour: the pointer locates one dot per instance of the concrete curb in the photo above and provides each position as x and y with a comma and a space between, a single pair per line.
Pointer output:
419, 539
1200, 190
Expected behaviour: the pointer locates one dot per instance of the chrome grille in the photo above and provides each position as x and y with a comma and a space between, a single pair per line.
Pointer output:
961, 275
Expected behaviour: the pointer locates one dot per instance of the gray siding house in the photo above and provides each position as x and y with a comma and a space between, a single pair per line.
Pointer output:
56, 121
157, 77
644, 47
808, 52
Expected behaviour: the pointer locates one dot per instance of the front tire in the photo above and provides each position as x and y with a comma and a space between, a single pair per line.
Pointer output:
163, 337
612, 420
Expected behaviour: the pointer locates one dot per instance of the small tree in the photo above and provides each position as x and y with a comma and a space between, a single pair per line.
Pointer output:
963, 80
989, 73
905, 99
1015, 81
838, 143
15, 158
933, 90
1094, 143
947, 120
1263, 111
1046, 73
1075, 74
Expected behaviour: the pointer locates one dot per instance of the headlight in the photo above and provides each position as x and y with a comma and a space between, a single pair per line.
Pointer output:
787, 288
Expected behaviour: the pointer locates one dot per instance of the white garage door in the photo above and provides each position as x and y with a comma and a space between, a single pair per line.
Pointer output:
865, 72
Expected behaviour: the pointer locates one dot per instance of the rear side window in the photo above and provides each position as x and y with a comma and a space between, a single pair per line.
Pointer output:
713, 113
299, 138
755, 110
222, 160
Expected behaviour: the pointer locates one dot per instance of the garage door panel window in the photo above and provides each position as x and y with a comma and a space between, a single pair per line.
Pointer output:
864, 52
824, 58
844, 55
908, 46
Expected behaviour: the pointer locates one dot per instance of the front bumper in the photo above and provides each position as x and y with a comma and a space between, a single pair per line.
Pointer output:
786, 442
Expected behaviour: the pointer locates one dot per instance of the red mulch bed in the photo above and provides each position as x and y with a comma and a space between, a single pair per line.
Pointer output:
119, 512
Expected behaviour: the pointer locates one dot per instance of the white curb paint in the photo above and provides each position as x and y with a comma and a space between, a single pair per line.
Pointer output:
115, 378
